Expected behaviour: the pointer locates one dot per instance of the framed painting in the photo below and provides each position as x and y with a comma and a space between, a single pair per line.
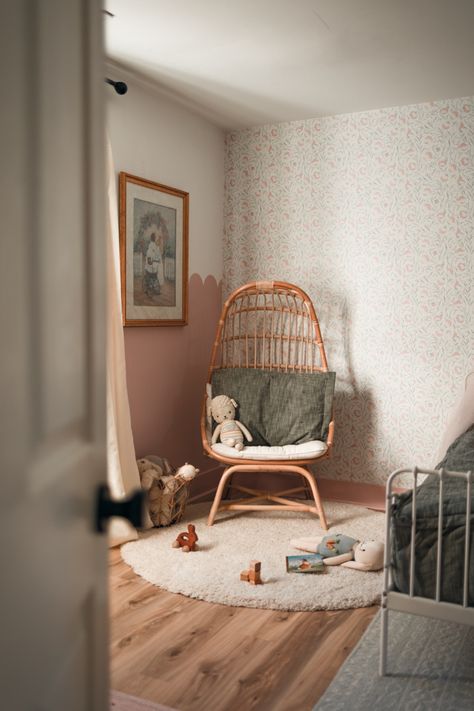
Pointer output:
153, 252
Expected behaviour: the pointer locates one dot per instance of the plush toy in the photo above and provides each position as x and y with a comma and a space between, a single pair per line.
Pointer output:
151, 470
368, 555
230, 430
338, 549
187, 472
166, 492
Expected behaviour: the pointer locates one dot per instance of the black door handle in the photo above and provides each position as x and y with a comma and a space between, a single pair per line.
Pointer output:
131, 508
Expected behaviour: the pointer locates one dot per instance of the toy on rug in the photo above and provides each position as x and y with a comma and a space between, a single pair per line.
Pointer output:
339, 549
187, 540
312, 563
167, 492
230, 431
252, 575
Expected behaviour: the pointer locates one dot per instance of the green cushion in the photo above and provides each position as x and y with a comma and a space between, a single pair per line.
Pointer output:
279, 408
460, 454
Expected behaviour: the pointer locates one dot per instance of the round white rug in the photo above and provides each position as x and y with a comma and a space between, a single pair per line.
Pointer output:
212, 573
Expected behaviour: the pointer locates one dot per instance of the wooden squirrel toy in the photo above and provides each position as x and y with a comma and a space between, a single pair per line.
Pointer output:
187, 539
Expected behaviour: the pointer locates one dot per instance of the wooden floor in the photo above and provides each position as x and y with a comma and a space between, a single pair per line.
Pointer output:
198, 656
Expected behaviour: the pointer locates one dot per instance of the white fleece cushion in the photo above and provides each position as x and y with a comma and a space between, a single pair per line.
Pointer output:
306, 450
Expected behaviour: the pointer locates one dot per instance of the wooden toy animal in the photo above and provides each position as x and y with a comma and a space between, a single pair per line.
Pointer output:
187, 539
252, 575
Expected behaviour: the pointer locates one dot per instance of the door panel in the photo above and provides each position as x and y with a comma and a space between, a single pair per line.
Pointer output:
62, 217
52, 392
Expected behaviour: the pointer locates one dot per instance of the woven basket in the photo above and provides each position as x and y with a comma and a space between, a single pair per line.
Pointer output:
167, 500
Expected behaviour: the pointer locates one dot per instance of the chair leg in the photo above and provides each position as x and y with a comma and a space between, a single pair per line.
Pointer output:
220, 490
383, 641
307, 491
226, 491
317, 499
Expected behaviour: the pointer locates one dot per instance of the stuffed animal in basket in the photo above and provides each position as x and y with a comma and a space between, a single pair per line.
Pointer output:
187, 472
166, 491
230, 431
339, 549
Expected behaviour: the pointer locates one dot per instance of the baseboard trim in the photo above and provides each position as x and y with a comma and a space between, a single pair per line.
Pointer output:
372, 496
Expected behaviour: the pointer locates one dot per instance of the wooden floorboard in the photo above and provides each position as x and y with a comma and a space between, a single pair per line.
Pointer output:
198, 656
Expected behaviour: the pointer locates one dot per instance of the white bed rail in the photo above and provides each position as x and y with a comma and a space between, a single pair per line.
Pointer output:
409, 602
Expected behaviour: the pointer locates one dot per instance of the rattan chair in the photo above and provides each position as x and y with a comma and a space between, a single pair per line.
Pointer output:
272, 326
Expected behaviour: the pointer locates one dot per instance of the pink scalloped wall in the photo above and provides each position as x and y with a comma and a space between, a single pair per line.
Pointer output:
166, 372
166, 375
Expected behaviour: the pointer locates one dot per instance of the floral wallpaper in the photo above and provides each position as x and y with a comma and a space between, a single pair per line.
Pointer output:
373, 215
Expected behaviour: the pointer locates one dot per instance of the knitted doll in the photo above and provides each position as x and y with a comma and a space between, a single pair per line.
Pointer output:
230, 430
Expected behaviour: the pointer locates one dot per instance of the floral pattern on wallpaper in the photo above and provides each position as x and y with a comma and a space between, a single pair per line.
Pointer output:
373, 215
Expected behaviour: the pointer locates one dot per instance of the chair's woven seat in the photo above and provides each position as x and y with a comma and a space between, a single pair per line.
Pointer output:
304, 451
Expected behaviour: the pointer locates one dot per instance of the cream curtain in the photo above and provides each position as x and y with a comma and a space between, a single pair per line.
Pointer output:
122, 468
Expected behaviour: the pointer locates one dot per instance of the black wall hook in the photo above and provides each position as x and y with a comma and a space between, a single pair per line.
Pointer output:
119, 86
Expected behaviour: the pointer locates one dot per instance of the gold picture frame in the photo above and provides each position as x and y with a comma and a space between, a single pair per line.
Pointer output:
153, 230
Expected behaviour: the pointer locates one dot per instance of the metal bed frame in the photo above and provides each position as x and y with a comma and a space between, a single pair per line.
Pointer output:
409, 602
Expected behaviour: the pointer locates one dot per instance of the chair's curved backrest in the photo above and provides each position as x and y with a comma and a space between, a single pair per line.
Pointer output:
269, 324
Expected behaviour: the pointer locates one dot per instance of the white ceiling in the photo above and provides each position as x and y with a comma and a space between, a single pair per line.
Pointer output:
250, 62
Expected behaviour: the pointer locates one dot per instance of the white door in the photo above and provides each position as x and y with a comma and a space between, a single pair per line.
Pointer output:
52, 415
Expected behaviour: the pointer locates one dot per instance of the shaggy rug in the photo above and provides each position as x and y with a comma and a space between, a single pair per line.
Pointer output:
429, 669
212, 573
